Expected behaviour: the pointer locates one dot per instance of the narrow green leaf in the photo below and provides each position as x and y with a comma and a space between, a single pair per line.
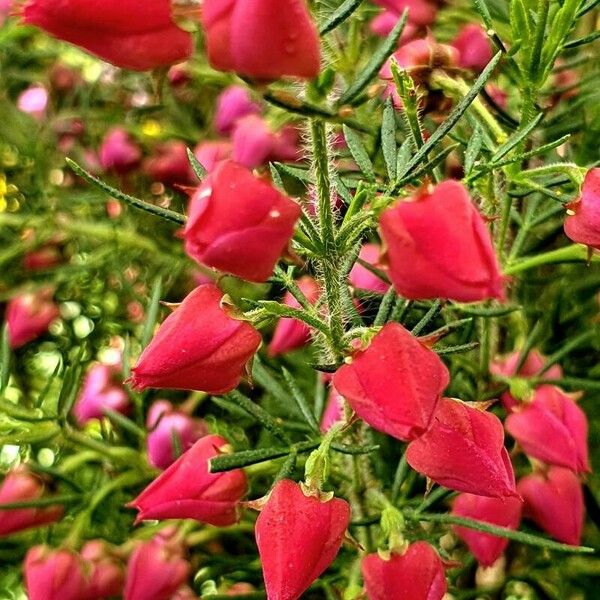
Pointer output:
41, 502
276, 177
301, 400
152, 311
359, 153
339, 15
456, 349
270, 383
281, 310
429, 316
166, 214
375, 63
388, 138
126, 423
198, 169
587, 39
403, 157
385, 307
570, 345
516, 138
473, 149
5, 355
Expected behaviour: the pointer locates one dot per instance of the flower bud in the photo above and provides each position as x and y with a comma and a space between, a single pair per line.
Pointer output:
107, 575
554, 501
210, 153
291, 334
54, 575
188, 490
118, 152
252, 141
34, 101
583, 223
42, 259
360, 277
233, 104
370, 383
126, 33
298, 537
239, 224
417, 574
552, 428
464, 451
503, 512
101, 391
420, 12
334, 410
198, 347
165, 423
262, 39
474, 48
20, 485
156, 569
170, 164
28, 316
438, 246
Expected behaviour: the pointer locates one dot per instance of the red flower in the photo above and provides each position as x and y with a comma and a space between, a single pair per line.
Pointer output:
156, 570
420, 12
298, 537
464, 451
262, 39
291, 334
503, 512
554, 501
188, 490
170, 164
552, 428
107, 575
28, 316
395, 384
583, 223
20, 485
119, 152
418, 574
239, 224
54, 575
198, 347
474, 47
126, 33
438, 246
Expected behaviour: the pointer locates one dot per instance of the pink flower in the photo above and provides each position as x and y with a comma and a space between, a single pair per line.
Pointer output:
252, 141
554, 501
34, 101
503, 512
107, 575
118, 152
188, 490
29, 315
582, 224
464, 451
169, 164
233, 104
363, 279
334, 410
166, 423
474, 47
420, 12
212, 152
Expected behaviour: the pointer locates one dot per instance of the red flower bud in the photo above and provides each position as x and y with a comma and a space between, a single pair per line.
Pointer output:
239, 224
503, 512
420, 12
126, 33
291, 334
165, 423
474, 47
107, 574
28, 316
554, 501
438, 246
119, 153
464, 451
198, 347
552, 428
212, 152
360, 277
233, 104
20, 485
54, 575
583, 226
42, 259
155, 571
418, 574
262, 39
188, 490
170, 164
252, 141
298, 537
370, 383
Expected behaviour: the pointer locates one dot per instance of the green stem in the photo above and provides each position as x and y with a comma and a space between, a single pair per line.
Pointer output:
572, 253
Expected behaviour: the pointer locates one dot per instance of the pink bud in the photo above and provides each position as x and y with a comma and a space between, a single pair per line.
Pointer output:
102, 390
233, 103
188, 490
438, 246
107, 574
42, 259
252, 141
383, 24
156, 569
363, 279
28, 316
334, 410
262, 39
503, 512
291, 334
583, 225
198, 347
164, 424
54, 575
474, 47
464, 451
118, 152
554, 501
298, 537
34, 101
418, 574
20, 485
239, 224
169, 164
552, 428
212, 152
420, 12
286, 145
370, 383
